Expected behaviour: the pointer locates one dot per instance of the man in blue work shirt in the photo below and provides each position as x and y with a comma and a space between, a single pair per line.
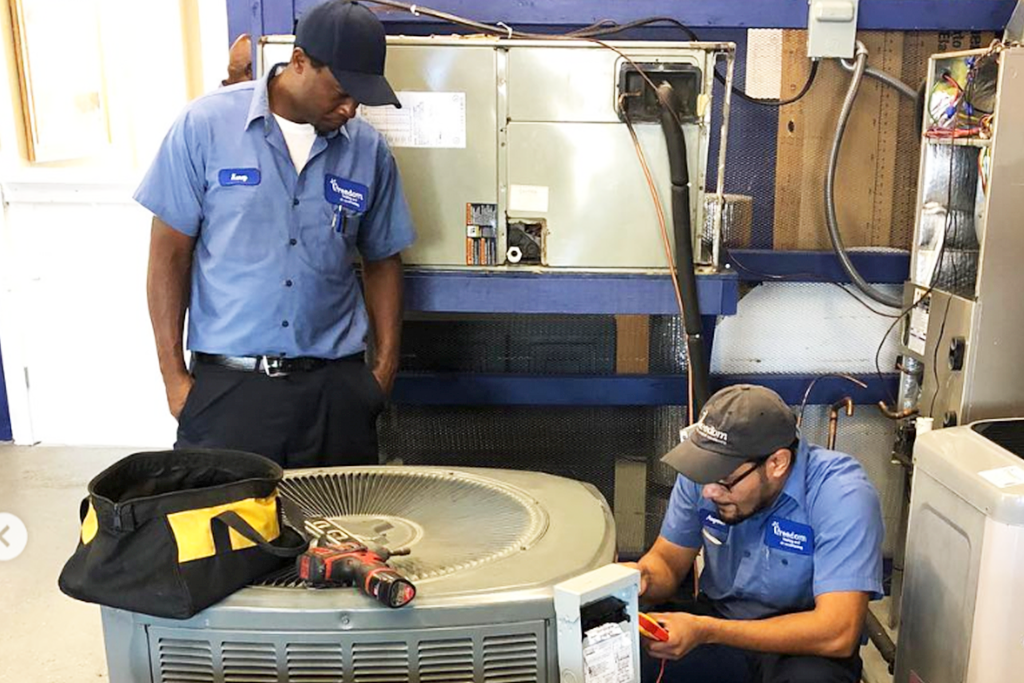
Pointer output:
263, 193
792, 537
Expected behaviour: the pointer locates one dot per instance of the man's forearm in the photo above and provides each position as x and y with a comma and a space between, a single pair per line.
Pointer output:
383, 291
802, 633
168, 284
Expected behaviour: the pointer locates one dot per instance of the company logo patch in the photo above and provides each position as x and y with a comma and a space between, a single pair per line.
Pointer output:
239, 176
793, 537
345, 193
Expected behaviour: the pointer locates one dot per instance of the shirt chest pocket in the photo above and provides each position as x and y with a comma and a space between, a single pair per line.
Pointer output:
333, 237
789, 581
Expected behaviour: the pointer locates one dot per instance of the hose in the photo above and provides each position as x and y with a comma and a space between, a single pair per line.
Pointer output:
880, 638
680, 174
831, 221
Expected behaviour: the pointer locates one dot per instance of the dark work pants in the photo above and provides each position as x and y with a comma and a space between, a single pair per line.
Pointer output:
326, 416
721, 664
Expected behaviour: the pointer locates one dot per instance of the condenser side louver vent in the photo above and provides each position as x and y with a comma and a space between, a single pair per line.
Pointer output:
249, 662
184, 661
315, 662
380, 663
510, 659
508, 653
446, 661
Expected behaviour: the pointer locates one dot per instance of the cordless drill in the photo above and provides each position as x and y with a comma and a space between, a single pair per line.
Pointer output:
339, 558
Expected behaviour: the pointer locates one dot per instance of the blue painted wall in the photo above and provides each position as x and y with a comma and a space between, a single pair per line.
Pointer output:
5, 415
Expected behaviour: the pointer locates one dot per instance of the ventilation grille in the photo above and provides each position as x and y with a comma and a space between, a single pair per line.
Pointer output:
380, 663
510, 659
446, 661
249, 662
185, 661
315, 663
449, 520
490, 653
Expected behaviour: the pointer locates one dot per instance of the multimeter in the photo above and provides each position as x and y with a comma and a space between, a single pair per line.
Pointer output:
649, 628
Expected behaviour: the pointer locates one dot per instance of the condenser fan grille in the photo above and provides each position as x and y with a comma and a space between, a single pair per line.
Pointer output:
449, 520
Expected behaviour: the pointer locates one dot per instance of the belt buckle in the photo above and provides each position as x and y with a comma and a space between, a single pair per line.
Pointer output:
272, 367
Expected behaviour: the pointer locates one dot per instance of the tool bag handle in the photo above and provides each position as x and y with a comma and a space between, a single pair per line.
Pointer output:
231, 519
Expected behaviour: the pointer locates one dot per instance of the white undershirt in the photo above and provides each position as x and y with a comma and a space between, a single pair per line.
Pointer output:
299, 137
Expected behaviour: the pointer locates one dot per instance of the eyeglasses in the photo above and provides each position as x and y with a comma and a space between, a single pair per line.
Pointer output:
723, 488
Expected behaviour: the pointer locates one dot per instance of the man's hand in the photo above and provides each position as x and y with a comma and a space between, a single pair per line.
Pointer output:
178, 389
645, 575
685, 632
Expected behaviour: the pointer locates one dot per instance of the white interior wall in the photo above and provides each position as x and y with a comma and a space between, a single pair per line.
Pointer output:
86, 340
78, 352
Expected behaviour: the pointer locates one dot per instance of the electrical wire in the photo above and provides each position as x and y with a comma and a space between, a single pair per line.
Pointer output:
935, 356
888, 331
661, 673
608, 27
811, 76
817, 277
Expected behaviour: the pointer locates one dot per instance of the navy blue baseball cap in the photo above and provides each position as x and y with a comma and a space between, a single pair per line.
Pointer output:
349, 39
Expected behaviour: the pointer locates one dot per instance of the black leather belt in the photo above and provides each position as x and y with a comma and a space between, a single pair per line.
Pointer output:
272, 366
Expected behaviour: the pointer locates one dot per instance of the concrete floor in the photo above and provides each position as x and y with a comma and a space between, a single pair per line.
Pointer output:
50, 638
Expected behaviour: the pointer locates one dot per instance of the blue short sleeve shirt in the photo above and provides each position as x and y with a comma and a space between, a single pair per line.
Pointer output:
273, 265
823, 534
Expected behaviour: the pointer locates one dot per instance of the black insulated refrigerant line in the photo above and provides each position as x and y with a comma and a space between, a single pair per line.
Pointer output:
683, 232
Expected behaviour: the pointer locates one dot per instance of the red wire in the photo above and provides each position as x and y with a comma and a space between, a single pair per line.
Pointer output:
662, 672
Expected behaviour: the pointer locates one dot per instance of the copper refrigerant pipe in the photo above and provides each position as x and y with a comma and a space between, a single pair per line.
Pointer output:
833, 418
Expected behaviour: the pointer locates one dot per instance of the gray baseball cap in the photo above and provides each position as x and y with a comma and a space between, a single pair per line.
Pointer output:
739, 423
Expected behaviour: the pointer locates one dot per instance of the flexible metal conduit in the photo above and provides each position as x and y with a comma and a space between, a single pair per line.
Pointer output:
832, 222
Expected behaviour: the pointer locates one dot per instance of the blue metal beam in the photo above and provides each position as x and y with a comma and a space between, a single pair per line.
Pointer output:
897, 15
883, 267
617, 390
569, 293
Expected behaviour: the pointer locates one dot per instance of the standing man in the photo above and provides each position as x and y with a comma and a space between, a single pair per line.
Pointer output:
792, 540
262, 194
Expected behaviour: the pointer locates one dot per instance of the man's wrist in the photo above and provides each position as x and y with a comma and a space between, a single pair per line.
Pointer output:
385, 366
174, 373
706, 630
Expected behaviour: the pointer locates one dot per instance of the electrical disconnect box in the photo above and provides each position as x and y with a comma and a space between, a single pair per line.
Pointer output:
516, 154
831, 28
598, 631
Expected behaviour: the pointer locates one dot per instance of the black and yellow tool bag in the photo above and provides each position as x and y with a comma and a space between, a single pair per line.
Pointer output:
169, 533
